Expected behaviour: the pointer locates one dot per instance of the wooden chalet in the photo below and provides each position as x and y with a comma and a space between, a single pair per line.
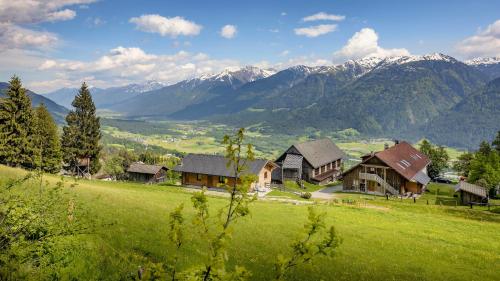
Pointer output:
396, 170
212, 171
317, 162
470, 193
141, 172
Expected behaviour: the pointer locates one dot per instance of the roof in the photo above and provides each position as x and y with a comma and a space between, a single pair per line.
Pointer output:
404, 159
422, 178
471, 188
319, 152
142, 168
293, 161
216, 165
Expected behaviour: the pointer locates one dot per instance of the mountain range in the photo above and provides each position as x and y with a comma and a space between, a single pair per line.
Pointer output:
57, 111
404, 97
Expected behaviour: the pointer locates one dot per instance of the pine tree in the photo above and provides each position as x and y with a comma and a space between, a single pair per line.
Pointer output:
16, 127
496, 142
82, 134
47, 141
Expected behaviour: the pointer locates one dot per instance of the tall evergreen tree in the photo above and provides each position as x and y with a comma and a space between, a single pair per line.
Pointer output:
16, 127
47, 141
82, 133
496, 142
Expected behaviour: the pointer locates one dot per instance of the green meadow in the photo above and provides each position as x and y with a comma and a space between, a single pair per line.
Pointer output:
382, 240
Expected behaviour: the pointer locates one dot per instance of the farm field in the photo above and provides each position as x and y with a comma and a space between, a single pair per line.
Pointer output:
202, 137
381, 239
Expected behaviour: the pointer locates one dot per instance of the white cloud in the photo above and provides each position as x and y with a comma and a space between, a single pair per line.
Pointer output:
364, 43
62, 15
324, 16
15, 14
35, 11
285, 53
13, 36
228, 31
166, 26
315, 31
124, 65
283, 14
485, 43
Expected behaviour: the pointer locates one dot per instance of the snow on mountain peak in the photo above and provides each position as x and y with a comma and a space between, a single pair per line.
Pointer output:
483, 61
245, 74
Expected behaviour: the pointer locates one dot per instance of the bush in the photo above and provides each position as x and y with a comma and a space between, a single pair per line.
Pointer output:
306, 195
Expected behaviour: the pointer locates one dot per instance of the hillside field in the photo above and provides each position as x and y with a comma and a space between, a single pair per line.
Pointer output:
382, 240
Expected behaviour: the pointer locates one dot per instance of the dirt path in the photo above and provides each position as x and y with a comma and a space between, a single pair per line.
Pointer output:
326, 193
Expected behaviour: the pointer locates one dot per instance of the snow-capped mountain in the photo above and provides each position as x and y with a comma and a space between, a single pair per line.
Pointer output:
483, 61
103, 97
488, 66
244, 75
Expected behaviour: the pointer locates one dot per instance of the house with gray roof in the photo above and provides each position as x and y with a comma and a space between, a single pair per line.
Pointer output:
317, 161
471, 193
212, 171
141, 172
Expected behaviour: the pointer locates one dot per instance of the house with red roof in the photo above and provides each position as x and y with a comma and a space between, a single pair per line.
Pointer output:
395, 170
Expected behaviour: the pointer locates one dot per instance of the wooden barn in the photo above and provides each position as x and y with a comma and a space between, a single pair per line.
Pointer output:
470, 193
317, 162
395, 170
141, 172
212, 171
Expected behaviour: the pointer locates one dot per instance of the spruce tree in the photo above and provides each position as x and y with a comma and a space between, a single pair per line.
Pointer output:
496, 142
82, 133
47, 141
16, 127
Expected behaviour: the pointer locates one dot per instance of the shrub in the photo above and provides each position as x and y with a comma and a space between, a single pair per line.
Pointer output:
306, 195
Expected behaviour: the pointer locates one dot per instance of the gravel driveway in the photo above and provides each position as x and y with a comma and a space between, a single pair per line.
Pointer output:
326, 193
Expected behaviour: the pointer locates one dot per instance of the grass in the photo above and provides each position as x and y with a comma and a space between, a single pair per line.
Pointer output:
381, 239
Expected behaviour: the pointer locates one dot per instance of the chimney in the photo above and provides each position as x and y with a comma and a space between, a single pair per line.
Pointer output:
386, 146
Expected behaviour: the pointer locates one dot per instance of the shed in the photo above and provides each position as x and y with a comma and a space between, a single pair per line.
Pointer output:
471, 193
141, 172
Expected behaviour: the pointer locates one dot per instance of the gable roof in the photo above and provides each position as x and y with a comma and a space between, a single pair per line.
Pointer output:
319, 152
471, 188
293, 161
216, 165
404, 159
141, 168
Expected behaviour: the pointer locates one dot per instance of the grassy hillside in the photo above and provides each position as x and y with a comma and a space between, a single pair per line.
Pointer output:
382, 240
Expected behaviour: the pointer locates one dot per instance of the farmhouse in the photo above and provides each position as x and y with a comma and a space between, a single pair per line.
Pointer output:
212, 171
395, 170
470, 193
146, 173
317, 162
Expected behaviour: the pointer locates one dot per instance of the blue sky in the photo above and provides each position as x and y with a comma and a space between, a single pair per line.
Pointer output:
111, 42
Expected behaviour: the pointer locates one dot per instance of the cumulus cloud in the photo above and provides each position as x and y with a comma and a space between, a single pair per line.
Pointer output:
125, 65
324, 16
315, 31
484, 43
166, 26
35, 11
14, 15
364, 43
13, 36
228, 31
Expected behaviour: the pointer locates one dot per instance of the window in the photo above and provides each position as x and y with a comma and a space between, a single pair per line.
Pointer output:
316, 171
198, 177
265, 175
222, 179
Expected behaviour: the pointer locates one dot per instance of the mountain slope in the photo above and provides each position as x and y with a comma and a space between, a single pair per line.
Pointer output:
395, 95
58, 112
167, 100
104, 97
474, 119
489, 66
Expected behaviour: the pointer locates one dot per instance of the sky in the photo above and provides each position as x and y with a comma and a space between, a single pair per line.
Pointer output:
61, 43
